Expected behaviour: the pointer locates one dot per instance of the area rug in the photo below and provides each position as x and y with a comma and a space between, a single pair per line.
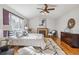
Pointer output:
51, 49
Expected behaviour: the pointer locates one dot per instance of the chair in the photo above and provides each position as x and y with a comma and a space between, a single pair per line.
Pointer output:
3, 45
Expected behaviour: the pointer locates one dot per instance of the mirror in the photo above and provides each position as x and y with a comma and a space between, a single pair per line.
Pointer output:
71, 23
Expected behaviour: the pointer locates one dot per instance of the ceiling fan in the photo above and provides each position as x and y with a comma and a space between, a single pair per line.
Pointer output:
45, 9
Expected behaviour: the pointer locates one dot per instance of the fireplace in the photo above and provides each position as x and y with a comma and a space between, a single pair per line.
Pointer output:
43, 31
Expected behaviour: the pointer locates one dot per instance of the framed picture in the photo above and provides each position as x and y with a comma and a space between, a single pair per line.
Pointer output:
71, 23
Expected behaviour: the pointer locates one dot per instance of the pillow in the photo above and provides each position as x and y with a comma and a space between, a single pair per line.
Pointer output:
25, 33
19, 34
14, 37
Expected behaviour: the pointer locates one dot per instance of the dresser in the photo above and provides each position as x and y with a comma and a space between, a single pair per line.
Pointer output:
71, 39
70, 43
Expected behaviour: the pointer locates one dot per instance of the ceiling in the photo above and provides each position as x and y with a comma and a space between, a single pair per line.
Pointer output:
30, 10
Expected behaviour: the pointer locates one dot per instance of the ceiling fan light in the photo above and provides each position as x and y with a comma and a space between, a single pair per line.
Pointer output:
44, 13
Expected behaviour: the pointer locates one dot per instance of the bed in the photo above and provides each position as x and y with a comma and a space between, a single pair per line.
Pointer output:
32, 39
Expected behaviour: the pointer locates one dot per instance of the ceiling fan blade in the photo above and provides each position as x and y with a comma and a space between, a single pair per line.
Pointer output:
44, 11
51, 9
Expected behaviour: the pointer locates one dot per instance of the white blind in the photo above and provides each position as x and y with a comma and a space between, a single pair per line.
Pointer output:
16, 23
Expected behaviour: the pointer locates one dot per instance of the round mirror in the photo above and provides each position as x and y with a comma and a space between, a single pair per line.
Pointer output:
71, 23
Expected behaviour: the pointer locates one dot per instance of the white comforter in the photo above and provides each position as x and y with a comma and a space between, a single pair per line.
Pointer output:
36, 40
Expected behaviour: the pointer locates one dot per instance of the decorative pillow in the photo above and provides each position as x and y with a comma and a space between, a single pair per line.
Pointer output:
19, 34
25, 33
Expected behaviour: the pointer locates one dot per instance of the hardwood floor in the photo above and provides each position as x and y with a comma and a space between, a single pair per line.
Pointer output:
66, 48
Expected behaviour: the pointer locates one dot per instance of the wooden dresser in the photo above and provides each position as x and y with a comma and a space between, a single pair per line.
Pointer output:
71, 39
66, 42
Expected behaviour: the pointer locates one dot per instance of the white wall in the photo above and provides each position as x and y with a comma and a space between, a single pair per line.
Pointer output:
1, 16
61, 23
34, 23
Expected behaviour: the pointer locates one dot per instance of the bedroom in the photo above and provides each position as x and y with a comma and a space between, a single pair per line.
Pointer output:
37, 27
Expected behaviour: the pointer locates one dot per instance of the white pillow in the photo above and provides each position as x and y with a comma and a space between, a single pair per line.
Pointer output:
14, 37
19, 34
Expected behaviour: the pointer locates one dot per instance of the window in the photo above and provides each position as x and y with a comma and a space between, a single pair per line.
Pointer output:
12, 23
16, 24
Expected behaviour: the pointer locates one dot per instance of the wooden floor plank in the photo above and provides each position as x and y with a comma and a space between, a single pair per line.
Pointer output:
66, 48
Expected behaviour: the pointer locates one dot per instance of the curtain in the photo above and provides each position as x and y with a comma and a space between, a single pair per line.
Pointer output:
5, 22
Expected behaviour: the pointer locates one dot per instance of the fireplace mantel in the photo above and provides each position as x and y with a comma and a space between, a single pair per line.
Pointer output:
43, 31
